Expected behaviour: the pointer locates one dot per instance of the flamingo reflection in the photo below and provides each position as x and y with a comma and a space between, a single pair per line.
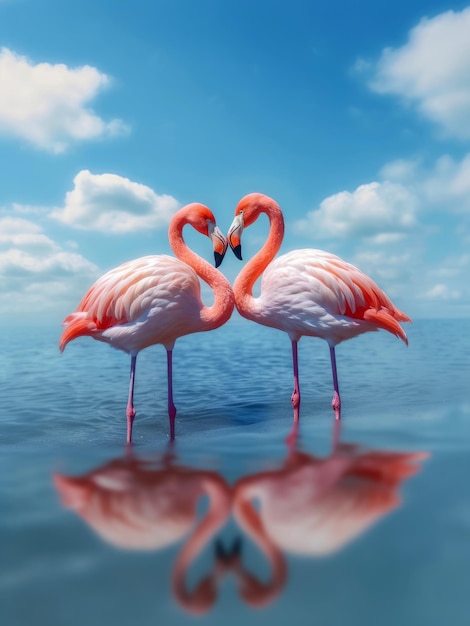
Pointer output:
310, 506
138, 505
315, 506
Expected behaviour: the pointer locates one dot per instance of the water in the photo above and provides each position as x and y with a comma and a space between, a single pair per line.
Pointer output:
352, 535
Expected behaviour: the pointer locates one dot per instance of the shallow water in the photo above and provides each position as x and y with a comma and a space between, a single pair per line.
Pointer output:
347, 533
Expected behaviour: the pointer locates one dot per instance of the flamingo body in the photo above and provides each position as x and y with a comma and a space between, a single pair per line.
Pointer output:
314, 293
154, 299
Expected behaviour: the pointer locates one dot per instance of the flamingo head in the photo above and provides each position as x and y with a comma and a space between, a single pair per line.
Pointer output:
234, 234
248, 210
202, 219
218, 241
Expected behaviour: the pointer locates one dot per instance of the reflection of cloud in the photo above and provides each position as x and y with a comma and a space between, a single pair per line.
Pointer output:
46, 104
35, 272
112, 204
431, 71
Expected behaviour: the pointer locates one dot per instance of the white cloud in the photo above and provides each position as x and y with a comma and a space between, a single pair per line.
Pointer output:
36, 274
46, 105
374, 210
384, 211
444, 185
442, 291
112, 204
401, 229
400, 170
431, 71
438, 286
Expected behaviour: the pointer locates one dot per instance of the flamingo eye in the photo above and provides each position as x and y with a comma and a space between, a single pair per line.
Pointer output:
210, 227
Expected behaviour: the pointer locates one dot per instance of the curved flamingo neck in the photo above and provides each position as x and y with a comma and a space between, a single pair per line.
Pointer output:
243, 285
200, 600
221, 310
251, 522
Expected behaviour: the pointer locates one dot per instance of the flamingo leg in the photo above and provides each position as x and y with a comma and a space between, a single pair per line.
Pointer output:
336, 402
171, 406
295, 399
130, 410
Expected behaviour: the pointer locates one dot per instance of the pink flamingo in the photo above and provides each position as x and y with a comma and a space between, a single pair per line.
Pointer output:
138, 505
307, 292
156, 299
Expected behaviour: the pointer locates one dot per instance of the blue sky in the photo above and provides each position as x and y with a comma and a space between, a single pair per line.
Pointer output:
354, 116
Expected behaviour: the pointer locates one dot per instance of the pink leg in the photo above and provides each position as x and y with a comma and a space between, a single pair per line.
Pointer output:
336, 402
171, 406
295, 399
130, 410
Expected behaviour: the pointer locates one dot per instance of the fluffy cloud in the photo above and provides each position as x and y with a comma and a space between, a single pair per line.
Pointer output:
36, 274
440, 291
46, 104
112, 204
382, 210
431, 71
446, 284
387, 228
444, 185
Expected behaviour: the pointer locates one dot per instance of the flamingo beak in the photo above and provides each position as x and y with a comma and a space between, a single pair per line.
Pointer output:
222, 553
234, 235
220, 244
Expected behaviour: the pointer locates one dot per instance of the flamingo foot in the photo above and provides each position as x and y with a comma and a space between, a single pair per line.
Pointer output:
130, 414
171, 417
295, 399
336, 404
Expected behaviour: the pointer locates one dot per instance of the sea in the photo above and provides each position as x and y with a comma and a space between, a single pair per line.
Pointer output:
243, 519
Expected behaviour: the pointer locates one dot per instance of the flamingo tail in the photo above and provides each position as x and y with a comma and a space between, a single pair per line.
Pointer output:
388, 320
76, 326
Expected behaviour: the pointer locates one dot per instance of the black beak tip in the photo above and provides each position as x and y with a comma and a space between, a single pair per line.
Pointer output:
224, 554
218, 258
220, 551
237, 251
237, 547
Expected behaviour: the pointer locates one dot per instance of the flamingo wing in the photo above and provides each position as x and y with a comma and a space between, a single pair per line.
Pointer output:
127, 292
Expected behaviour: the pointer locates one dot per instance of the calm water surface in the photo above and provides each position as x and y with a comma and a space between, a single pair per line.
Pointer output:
364, 525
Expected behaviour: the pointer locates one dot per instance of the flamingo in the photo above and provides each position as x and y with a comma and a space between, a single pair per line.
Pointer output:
307, 292
156, 299
134, 504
